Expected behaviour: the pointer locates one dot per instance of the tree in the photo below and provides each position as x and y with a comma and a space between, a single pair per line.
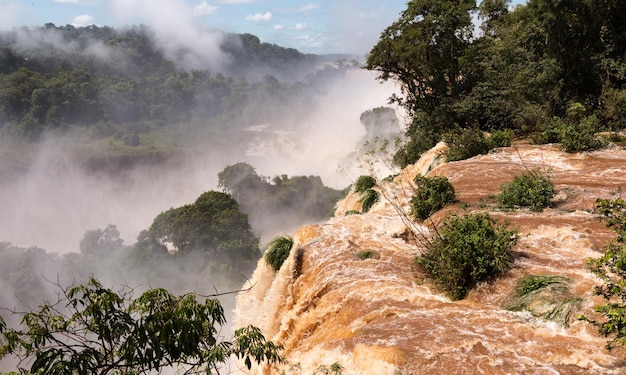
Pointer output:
94, 330
101, 242
242, 181
491, 11
586, 37
422, 50
212, 224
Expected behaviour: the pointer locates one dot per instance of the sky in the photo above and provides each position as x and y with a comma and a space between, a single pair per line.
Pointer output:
316, 26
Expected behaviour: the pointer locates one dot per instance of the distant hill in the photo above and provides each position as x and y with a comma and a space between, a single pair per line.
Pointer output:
124, 82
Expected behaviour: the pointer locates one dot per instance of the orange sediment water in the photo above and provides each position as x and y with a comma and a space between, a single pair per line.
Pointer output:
378, 315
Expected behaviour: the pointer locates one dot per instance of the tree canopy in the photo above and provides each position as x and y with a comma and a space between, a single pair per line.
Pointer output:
528, 65
115, 82
281, 201
94, 330
213, 225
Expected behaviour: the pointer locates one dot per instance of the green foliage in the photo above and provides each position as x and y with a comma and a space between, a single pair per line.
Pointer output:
551, 133
46, 89
432, 194
421, 51
532, 189
277, 252
575, 133
213, 224
94, 330
351, 212
614, 113
581, 136
366, 254
611, 270
500, 138
100, 242
370, 197
466, 143
545, 296
529, 64
363, 183
614, 213
468, 249
418, 142
280, 201
334, 369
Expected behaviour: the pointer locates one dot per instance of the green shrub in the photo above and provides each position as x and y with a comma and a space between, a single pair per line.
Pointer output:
500, 138
614, 213
370, 197
432, 194
545, 296
351, 212
278, 251
581, 136
468, 249
610, 269
465, 144
551, 133
364, 183
575, 133
614, 111
530, 189
366, 254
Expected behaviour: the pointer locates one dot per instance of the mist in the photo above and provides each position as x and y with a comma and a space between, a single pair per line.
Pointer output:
53, 192
55, 201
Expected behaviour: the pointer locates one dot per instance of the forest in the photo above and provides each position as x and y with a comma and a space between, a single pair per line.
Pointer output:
546, 71
114, 96
549, 71
109, 82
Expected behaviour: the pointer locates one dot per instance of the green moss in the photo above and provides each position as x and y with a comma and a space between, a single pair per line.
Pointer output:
366, 254
545, 296
370, 197
278, 251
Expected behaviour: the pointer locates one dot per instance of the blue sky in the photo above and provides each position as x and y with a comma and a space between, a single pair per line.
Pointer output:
316, 26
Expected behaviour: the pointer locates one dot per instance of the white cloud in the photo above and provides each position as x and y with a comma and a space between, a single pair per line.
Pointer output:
78, 2
301, 8
309, 41
260, 17
279, 27
299, 26
237, 1
204, 9
307, 7
82, 20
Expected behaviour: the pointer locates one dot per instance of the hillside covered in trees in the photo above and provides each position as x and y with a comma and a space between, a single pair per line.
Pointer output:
553, 71
121, 82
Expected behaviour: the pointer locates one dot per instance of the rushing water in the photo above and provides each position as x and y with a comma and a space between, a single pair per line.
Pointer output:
378, 316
